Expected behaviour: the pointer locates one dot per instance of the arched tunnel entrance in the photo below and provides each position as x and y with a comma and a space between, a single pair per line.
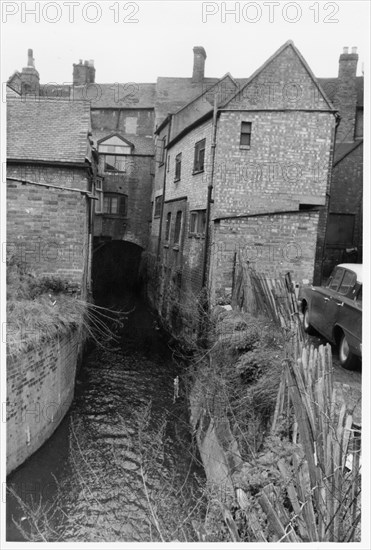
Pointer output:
116, 268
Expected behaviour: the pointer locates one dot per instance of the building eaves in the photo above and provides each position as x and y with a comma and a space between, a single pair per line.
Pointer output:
189, 128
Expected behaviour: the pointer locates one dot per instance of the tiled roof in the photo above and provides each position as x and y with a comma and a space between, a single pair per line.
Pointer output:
174, 93
48, 130
142, 145
202, 104
329, 86
343, 149
127, 95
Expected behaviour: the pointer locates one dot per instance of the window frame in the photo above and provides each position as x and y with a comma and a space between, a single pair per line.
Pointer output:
178, 167
244, 133
162, 151
197, 169
122, 205
178, 228
168, 227
118, 158
158, 204
197, 230
98, 208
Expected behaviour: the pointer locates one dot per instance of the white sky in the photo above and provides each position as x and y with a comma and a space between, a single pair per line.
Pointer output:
161, 42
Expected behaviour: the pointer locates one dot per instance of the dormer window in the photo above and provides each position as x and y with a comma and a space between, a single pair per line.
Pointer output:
114, 151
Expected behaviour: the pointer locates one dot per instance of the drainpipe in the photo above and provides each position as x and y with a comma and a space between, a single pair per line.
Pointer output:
163, 193
209, 194
328, 194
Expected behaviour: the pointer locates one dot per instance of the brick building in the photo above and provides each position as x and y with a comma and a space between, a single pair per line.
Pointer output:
50, 186
201, 171
344, 227
244, 171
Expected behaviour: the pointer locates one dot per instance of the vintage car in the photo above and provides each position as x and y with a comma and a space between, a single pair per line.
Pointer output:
335, 311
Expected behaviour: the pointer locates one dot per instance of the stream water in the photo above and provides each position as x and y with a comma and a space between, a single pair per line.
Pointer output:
121, 466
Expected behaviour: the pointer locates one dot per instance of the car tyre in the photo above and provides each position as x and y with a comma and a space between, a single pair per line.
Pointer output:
306, 324
346, 358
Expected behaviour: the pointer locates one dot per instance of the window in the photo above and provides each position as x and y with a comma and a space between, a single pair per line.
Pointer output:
335, 279
178, 167
161, 156
358, 298
167, 226
115, 204
245, 138
99, 194
158, 205
348, 282
197, 222
114, 163
340, 230
199, 160
114, 151
178, 227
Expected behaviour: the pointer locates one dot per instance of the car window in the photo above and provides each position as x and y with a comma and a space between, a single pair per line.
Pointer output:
348, 282
335, 279
359, 297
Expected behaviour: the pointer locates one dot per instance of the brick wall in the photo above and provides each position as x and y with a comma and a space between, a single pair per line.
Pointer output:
126, 121
272, 244
179, 292
40, 388
286, 165
47, 229
137, 185
346, 198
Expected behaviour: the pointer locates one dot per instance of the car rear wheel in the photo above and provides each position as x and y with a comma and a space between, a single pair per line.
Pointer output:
347, 359
306, 324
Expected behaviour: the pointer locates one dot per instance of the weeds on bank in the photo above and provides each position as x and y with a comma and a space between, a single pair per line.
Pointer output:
39, 307
278, 494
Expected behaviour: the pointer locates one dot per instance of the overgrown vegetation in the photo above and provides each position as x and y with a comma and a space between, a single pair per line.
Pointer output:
39, 307
289, 453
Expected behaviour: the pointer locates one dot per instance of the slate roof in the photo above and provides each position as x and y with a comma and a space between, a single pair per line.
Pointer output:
343, 149
127, 95
329, 86
48, 130
142, 145
202, 104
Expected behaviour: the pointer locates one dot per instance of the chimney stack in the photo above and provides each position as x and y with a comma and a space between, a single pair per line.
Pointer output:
199, 57
83, 73
30, 78
345, 100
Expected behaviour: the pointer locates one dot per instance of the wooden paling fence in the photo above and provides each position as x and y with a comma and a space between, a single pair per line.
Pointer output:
272, 296
322, 478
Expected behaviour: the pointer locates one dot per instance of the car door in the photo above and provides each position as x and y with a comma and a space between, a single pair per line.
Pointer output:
321, 299
334, 308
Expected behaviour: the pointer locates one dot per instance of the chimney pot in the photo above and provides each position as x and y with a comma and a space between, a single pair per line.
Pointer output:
199, 56
345, 49
354, 49
30, 61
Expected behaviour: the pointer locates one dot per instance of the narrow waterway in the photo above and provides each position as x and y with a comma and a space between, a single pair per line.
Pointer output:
121, 466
